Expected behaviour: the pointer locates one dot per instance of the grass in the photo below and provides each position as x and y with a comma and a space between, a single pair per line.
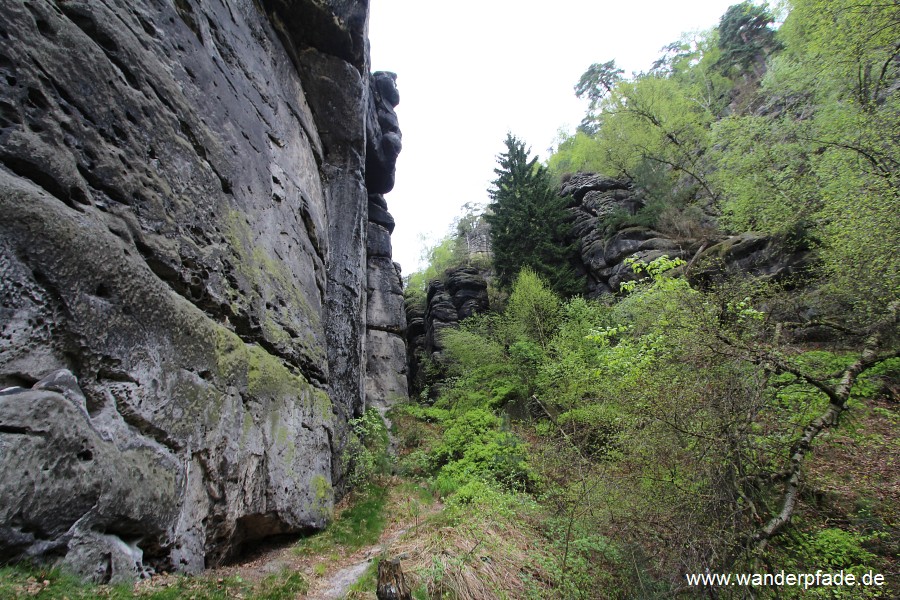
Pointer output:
360, 524
53, 584
282, 586
364, 588
486, 547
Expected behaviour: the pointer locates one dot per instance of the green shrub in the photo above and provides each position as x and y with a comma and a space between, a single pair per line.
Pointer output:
367, 454
839, 549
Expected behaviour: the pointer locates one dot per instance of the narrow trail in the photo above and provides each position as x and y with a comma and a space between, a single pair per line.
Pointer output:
330, 574
336, 585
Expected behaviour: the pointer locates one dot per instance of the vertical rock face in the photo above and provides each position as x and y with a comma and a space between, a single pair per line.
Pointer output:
183, 274
386, 364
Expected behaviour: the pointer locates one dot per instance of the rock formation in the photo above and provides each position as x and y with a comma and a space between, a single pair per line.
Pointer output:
603, 252
461, 295
185, 190
386, 366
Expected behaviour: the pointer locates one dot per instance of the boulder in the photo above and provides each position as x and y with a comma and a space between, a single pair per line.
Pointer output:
468, 291
770, 257
605, 250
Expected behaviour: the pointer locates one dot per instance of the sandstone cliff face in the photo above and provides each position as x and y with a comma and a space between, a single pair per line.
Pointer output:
461, 295
386, 366
712, 256
183, 273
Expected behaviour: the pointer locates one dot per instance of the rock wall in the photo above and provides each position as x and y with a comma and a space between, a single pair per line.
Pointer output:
462, 294
386, 364
712, 256
183, 274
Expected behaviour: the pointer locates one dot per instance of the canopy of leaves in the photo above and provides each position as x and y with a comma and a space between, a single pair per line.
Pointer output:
783, 132
822, 153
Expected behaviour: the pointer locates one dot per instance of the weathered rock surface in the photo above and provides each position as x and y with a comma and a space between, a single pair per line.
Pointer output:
76, 486
386, 366
463, 294
595, 198
751, 254
383, 137
184, 248
468, 291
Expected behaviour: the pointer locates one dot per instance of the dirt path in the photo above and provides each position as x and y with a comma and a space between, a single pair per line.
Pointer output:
335, 585
330, 574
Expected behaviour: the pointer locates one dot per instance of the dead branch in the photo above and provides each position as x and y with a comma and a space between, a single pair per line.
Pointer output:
838, 396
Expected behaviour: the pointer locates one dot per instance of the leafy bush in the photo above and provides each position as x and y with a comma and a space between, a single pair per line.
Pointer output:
366, 455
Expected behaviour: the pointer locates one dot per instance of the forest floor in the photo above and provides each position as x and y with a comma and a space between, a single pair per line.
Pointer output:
340, 562
475, 548
333, 567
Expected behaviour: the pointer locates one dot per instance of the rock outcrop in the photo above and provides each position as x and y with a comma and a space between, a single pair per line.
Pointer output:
461, 294
386, 366
183, 250
595, 198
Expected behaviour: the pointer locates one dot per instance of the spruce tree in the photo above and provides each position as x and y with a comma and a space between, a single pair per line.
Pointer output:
529, 223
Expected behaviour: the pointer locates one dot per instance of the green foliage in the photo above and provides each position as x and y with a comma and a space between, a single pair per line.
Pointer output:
359, 525
569, 375
649, 420
654, 270
54, 584
745, 35
660, 427
529, 224
824, 154
484, 374
654, 128
367, 448
785, 132
595, 429
476, 446
837, 548
581, 560
579, 152
442, 256
533, 311
760, 173
458, 248
431, 414
283, 585
596, 83
830, 549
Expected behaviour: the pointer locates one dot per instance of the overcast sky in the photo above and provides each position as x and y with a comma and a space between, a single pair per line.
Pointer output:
468, 71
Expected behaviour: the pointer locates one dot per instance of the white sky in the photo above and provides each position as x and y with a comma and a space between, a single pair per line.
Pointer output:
468, 71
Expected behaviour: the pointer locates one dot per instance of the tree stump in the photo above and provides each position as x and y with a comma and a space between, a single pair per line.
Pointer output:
391, 583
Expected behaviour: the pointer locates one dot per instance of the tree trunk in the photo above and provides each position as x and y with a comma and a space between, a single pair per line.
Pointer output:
391, 583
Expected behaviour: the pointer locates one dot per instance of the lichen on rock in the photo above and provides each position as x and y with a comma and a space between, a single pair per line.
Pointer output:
183, 275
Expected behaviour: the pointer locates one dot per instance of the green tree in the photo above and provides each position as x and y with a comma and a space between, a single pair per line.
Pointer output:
655, 123
529, 223
823, 156
596, 83
745, 37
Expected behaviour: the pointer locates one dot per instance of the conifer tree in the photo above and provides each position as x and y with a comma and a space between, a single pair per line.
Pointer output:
529, 223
